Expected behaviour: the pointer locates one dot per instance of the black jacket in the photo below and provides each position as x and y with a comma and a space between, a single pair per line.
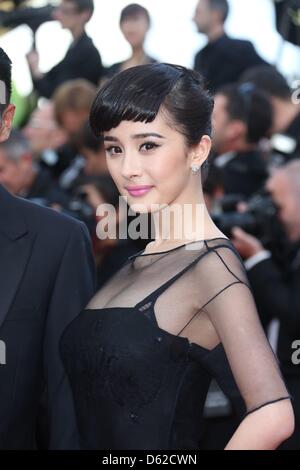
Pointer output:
245, 174
223, 61
46, 278
81, 61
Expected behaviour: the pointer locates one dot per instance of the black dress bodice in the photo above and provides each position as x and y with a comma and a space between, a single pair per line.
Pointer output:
139, 384
135, 386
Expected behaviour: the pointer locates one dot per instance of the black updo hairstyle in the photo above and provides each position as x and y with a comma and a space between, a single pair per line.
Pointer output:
139, 93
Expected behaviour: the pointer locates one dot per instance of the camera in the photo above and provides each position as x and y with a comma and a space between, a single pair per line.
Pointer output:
260, 219
76, 207
19, 14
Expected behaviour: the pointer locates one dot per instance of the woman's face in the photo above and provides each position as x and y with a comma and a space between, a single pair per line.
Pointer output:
150, 164
135, 29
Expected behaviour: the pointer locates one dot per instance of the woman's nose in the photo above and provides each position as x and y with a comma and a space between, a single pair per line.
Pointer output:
131, 167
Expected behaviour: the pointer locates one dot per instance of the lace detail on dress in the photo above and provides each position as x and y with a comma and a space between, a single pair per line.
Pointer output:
129, 384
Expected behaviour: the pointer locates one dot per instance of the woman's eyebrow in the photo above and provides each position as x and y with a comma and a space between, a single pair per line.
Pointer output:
147, 134
110, 138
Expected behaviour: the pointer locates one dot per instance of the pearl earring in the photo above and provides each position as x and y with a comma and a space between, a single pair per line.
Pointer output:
195, 169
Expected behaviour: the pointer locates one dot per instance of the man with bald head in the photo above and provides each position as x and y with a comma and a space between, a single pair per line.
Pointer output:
277, 291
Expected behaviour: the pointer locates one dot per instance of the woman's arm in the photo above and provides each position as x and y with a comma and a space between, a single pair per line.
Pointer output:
264, 429
255, 368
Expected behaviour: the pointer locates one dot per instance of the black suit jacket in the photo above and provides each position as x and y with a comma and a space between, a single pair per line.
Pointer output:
81, 61
245, 174
225, 60
277, 295
46, 278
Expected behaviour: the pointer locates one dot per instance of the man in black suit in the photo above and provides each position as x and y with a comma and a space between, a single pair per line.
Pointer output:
46, 279
223, 59
242, 117
285, 141
82, 59
277, 288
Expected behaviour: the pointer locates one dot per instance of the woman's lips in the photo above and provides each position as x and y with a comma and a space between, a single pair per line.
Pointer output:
139, 190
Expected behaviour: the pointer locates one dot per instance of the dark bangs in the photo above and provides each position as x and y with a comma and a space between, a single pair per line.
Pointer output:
135, 94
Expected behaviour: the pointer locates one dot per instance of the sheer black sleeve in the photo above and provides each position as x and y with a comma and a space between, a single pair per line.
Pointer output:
231, 308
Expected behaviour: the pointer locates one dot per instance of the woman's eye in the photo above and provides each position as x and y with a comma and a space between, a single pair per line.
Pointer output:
113, 150
148, 146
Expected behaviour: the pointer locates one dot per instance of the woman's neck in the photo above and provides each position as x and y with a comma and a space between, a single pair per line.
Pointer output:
138, 55
180, 223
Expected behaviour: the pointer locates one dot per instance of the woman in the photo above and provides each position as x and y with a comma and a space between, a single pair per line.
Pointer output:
140, 358
134, 23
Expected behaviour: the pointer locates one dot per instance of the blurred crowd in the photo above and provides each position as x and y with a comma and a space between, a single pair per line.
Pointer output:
252, 182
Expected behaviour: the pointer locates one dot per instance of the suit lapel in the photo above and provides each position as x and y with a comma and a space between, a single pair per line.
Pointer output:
15, 247
13, 258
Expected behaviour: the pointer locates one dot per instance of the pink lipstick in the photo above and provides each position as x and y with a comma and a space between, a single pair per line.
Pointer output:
137, 191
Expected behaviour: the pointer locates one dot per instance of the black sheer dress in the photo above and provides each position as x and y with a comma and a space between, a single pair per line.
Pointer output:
140, 358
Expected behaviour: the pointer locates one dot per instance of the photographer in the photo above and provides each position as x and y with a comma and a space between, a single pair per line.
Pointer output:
72, 102
242, 117
223, 59
112, 252
285, 130
47, 140
23, 176
92, 150
82, 59
276, 288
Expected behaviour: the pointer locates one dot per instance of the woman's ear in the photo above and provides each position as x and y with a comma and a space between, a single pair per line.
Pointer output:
200, 152
6, 122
